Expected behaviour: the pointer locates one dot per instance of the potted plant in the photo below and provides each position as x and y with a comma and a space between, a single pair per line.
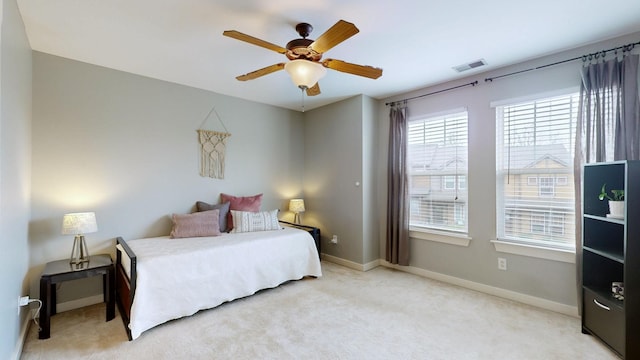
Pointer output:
616, 201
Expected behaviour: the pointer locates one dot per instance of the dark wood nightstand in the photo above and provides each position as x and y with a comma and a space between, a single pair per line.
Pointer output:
314, 231
59, 271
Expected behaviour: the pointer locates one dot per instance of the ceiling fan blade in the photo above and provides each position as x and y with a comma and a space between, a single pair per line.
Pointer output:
253, 40
261, 72
314, 90
338, 33
360, 70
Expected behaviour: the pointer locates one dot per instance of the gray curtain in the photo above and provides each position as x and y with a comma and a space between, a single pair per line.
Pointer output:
397, 189
608, 127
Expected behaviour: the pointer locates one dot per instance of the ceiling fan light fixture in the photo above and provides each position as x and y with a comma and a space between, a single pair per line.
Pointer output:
305, 73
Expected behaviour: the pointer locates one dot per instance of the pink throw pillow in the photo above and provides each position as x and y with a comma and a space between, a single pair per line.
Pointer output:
240, 203
204, 223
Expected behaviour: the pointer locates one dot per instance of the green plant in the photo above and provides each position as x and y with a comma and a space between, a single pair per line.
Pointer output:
618, 195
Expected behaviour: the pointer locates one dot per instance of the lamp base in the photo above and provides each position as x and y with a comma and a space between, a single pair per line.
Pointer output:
79, 252
296, 218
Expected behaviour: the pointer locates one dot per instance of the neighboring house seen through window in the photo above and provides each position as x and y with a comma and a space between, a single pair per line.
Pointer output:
535, 192
437, 159
545, 186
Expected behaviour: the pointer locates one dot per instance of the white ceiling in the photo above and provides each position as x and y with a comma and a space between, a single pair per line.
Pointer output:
415, 42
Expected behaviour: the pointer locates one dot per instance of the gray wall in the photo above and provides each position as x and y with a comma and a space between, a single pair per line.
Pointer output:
126, 147
551, 280
15, 159
340, 177
332, 166
370, 165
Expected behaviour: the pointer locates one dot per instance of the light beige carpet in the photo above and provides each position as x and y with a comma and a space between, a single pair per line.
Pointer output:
380, 314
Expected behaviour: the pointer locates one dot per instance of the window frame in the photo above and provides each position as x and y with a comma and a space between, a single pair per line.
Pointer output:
442, 214
550, 249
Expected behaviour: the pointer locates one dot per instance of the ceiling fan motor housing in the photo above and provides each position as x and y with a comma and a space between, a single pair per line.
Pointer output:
299, 49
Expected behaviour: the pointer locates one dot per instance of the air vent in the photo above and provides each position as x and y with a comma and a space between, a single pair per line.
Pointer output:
469, 66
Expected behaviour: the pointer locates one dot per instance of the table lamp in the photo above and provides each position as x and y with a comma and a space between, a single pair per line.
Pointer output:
296, 206
79, 224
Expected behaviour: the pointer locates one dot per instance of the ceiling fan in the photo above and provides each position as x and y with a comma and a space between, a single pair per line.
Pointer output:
305, 66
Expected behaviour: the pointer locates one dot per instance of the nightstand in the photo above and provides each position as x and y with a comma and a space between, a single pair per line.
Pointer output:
59, 271
314, 231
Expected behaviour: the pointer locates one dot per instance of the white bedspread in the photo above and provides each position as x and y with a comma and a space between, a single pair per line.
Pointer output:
178, 277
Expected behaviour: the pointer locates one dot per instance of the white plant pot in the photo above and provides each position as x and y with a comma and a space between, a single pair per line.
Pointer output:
616, 209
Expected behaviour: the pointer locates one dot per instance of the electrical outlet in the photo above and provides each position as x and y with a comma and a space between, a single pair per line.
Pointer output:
502, 264
334, 239
22, 301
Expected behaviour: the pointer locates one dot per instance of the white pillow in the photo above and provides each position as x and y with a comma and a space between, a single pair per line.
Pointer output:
246, 221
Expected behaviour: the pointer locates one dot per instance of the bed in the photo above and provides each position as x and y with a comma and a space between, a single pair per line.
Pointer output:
160, 279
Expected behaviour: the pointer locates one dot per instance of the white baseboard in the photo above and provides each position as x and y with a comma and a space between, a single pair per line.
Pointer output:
79, 303
350, 264
487, 289
371, 265
24, 330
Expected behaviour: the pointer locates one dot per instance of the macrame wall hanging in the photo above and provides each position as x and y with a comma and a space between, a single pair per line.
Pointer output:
213, 149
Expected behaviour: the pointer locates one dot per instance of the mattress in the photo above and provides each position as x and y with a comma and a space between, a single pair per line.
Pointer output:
178, 277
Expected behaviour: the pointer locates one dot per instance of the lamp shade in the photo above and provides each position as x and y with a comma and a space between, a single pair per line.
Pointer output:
296, 205
79, 223
304, 73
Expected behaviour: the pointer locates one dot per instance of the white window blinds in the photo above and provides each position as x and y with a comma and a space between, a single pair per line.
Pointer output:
437, 165
534, 172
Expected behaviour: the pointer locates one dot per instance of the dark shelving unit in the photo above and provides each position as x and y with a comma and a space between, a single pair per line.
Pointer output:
611, 253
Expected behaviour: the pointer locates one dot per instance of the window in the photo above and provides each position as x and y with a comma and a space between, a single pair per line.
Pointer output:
547, 223
545, 187
561, 180
449, 182
461, 214
537, 224
437, 159
462, 182
452, 181
534, 157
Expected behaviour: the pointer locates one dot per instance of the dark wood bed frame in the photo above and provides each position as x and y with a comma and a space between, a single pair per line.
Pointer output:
125, 287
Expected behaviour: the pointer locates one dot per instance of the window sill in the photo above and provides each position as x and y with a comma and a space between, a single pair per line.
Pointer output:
439, 236
540, 252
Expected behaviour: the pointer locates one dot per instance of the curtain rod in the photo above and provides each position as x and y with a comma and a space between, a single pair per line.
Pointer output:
474, 83
591, 56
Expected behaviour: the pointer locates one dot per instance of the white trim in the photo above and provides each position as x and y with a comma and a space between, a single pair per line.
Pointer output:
562, 255
24, 331
440, 236
350, 264
79, 303
533, 97
371, 265
487, 289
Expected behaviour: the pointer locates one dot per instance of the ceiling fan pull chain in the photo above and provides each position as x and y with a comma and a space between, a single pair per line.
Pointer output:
302, 96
